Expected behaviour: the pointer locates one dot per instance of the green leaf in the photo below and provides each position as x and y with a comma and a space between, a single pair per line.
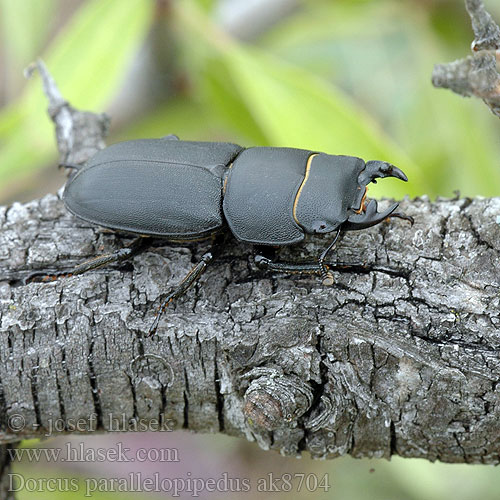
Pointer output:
180, 116
24, 25
88, 60
382, 54
293, 107
225, 100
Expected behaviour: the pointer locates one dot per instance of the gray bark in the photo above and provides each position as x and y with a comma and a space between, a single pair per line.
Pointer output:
476, 75
399, 357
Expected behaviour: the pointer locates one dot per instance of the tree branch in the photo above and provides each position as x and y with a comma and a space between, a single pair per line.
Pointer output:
400, 357
477, 74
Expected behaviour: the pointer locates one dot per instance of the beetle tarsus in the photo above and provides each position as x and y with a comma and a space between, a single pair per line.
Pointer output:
119, 255
326, 275
327, 279
267, 264
320, 267
191, 277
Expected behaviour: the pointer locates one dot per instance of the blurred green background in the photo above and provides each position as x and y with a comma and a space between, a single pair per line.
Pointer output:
344, 77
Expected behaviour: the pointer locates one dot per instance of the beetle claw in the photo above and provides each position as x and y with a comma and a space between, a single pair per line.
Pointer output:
375, 169
369, 217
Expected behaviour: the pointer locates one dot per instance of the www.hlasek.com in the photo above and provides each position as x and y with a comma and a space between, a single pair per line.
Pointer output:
78, 452
136, 482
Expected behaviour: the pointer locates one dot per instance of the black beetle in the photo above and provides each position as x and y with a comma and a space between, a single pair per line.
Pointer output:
183, 191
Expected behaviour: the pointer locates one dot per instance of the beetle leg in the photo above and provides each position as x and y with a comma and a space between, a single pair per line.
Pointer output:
326, 275
267, 264
190, 278
119, 255
320, 267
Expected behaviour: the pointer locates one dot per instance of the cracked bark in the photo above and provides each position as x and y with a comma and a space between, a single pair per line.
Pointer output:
400, 357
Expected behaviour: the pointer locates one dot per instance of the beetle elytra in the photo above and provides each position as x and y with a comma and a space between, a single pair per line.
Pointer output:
184, 191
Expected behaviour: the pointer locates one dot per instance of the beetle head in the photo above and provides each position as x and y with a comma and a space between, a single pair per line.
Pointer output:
367, 215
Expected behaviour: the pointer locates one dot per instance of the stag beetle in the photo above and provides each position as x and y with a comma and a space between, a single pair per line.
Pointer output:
183, 191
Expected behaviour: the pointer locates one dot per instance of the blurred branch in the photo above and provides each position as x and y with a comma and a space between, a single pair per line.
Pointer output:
247, 19
79, 134
399, 357
477, 74
486, 31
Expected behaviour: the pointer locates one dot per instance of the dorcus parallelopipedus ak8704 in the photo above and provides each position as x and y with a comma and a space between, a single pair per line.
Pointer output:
182, 191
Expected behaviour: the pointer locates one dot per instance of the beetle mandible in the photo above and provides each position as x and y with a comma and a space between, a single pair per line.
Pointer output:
184, 190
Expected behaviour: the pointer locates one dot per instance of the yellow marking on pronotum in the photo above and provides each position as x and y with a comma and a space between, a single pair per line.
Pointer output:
303, 183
